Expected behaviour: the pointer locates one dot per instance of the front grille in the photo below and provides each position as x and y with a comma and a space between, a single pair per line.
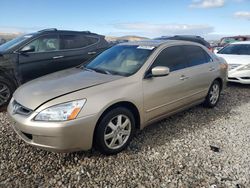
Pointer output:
19, 109
233, 66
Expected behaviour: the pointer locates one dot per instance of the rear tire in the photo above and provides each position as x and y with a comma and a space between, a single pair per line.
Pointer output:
114, 131
213, 95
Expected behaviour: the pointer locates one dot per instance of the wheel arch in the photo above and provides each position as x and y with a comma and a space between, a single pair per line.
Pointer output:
9, 75
220, 80
125, 104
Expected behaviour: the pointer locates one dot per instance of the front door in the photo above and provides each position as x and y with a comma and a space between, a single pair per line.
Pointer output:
44, 59
168, 93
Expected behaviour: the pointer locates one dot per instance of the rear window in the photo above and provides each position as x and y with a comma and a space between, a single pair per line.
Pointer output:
236, 49
196, 55
76, 41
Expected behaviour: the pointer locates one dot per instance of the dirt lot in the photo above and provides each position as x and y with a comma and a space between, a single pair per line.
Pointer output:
175, 152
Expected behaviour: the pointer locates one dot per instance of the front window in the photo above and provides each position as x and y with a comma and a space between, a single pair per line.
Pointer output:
171, 57
121, 60
45, 43
236, 49
14, 42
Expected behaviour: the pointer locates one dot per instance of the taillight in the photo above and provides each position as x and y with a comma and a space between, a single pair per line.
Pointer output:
211, 49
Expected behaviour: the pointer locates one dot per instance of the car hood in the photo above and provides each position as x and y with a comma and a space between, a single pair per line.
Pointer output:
236, 59
37, 92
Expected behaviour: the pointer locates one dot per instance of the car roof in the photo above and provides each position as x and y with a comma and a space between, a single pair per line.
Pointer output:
54, 30
191, 38
241, 42
156, 43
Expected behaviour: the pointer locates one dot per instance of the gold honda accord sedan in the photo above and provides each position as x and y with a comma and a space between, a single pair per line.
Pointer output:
125, 88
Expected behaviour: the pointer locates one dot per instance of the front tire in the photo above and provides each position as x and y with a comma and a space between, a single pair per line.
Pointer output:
213, 95
6, 91
114, 131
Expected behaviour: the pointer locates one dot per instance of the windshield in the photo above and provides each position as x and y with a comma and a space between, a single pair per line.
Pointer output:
231, 40
12, 43
236, 49
121, 60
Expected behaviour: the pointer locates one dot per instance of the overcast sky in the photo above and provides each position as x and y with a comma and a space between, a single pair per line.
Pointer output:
150, 18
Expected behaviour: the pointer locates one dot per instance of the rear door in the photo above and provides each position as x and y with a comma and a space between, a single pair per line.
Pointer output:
167, 93
43, 60
201, 71
77, 49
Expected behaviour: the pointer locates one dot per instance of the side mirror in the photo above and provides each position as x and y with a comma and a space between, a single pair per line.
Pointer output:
27, 49
217, 49
158, 72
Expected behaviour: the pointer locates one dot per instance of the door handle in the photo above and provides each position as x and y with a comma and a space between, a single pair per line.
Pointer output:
91, 53
58, 57
211, 69
183, 77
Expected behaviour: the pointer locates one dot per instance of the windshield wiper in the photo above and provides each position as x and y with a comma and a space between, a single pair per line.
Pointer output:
97, 70
102, 71
87, 69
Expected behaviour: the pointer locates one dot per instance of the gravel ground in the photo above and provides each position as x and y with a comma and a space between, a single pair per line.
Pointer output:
175, 152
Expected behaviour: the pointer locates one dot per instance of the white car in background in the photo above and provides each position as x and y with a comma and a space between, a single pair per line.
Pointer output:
237, 56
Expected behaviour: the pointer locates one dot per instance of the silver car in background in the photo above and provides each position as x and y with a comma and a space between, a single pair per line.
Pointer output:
127, 87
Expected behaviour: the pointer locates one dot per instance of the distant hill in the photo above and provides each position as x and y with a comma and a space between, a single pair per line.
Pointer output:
9, 36
125, 38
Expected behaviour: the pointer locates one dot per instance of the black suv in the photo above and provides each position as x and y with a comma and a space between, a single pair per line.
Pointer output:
33, 55
2, 40
191, 38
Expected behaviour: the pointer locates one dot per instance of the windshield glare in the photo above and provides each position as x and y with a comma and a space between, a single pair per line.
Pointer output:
121, 60
236, 49
14, 42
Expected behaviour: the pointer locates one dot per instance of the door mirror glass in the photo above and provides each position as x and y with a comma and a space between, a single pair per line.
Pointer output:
28, 48
160, 71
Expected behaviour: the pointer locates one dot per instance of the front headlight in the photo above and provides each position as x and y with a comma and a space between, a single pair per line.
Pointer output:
246, 67
61, 112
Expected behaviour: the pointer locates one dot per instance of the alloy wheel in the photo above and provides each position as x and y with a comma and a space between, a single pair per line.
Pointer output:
117, 132
214, 94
